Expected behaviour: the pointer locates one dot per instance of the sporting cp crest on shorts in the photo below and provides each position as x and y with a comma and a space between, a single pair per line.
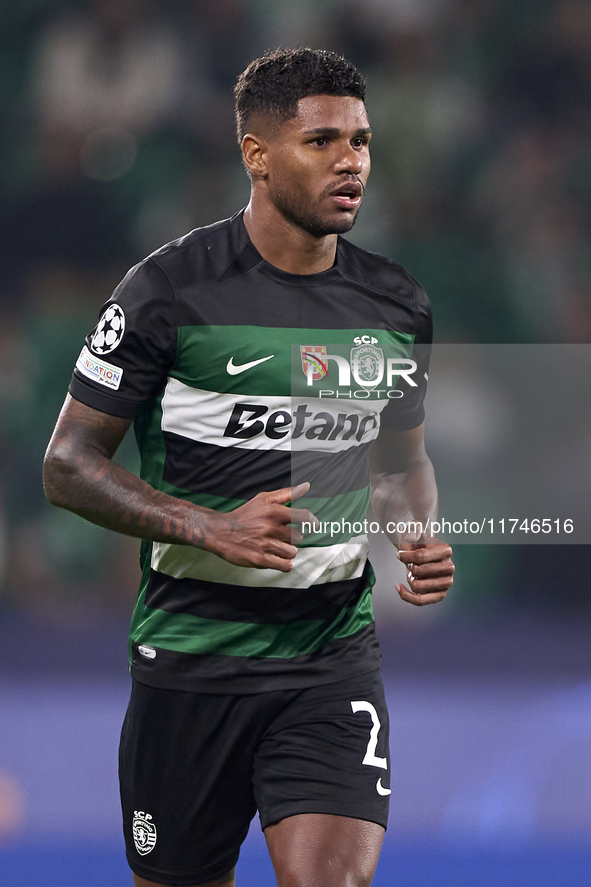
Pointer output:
367, 365
144, 832
314, 363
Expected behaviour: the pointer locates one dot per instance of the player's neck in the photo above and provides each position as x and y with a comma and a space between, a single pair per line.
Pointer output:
283, 244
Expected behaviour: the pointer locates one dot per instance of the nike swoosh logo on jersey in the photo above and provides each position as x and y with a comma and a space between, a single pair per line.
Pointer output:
234, 370
380, 788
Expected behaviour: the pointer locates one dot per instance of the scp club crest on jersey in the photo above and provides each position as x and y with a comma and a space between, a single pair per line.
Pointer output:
109, 330
367, 365
144, 832
314, 363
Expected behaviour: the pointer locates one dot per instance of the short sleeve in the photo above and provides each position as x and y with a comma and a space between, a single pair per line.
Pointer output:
408, 411
126, 358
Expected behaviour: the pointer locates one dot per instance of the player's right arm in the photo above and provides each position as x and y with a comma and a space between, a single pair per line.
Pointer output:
79, 474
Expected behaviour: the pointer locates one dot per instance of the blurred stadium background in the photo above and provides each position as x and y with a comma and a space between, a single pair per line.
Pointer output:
116, 135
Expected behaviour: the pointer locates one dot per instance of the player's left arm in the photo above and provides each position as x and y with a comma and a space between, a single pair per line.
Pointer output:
404, 499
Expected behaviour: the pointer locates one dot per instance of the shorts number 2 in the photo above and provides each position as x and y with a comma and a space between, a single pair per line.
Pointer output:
370, 755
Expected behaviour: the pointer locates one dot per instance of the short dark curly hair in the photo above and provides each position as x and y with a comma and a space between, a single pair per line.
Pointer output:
274, 84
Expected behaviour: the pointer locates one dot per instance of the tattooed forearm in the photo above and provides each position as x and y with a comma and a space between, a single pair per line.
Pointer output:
79, 475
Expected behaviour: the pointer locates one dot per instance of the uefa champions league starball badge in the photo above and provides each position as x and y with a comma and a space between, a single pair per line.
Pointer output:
109, 330
144, 832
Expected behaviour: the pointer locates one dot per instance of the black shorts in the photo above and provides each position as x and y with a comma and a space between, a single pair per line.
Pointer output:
195, 768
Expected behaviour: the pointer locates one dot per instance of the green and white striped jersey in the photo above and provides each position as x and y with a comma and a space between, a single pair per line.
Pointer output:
242, 378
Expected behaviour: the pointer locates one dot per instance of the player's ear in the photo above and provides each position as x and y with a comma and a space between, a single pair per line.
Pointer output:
254, 154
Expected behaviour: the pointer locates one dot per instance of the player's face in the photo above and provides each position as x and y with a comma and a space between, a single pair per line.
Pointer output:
318, 164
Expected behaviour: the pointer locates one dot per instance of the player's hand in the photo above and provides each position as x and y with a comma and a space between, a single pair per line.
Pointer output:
262, 532
429, 571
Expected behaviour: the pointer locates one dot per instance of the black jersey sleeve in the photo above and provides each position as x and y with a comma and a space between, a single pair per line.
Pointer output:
126, 358
408, 411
